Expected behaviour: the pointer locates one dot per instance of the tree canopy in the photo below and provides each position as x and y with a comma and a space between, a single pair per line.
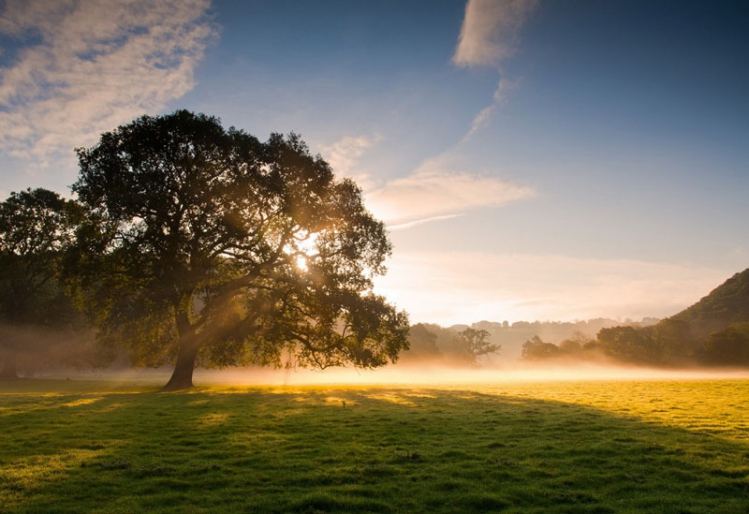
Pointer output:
454, 345
37, 227
536, 349
729, 347
204, 243
476, 343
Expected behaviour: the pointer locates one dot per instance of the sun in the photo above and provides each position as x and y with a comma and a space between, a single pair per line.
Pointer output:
301, 263
303, 249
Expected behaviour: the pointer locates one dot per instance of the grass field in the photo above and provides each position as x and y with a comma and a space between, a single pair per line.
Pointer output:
554, 447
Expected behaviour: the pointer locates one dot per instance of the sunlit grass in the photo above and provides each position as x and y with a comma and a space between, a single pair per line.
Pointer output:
676, 446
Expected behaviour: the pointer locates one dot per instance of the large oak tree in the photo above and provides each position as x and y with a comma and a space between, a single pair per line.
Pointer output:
205, 245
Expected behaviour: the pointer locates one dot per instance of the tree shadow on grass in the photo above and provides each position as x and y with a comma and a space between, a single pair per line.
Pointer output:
356, 450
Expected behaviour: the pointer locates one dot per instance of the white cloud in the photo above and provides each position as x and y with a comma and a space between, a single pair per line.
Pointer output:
344, 156
432, 193
464, 287
94, 64
489, 30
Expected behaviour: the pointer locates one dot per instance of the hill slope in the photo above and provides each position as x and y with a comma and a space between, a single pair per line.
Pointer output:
725, 305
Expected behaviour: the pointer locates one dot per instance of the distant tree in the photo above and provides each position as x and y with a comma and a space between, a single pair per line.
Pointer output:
570, 347
476, 343
422, 344
574, 345
36, 229
729, 347
673, 342
592, 349
629, 344
536, 349
205, 245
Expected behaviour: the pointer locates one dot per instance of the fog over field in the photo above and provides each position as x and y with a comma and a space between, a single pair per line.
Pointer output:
427, 375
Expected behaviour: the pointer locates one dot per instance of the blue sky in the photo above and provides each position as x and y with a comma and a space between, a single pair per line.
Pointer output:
534, 160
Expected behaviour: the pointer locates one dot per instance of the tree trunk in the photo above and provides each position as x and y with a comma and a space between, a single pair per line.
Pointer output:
9, 370
182, 374
188, 345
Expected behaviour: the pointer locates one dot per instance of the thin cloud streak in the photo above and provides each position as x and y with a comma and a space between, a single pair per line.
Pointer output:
97, 64
411, 224
484, 116
429, 194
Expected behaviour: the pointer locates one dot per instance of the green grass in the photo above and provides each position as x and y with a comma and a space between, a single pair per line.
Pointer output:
567, 447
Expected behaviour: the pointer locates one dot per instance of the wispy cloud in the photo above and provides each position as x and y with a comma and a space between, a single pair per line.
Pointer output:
463, 287
431, 194
345, 155
434, 191
92, 65
488, 36
421, 221
484, 116
489, 31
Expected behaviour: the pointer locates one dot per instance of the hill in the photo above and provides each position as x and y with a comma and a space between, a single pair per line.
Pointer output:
726, 305
713, 331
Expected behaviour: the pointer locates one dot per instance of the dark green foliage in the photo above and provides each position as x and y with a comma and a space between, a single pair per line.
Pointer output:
36, 228
673, 342
729, 347
205, 243
38, 319
628, 344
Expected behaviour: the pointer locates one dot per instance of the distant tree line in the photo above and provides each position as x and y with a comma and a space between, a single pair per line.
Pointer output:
511, 336
712, 332
670, 343
432, 342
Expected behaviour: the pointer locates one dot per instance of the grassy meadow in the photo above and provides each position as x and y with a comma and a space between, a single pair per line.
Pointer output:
648, 446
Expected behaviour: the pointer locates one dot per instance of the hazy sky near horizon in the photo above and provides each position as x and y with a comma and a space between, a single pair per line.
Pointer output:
533, 159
